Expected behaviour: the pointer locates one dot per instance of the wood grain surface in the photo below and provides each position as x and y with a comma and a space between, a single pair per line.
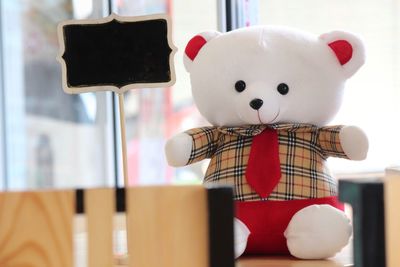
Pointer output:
168, 226
36, 229
392, 217
99, 209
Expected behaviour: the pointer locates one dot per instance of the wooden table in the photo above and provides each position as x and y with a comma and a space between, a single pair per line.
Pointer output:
343, 259
286, 262
271, 262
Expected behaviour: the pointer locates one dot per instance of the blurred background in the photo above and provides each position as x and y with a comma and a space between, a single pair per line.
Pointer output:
51, 139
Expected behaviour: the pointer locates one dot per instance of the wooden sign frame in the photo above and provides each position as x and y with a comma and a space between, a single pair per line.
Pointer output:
123, 89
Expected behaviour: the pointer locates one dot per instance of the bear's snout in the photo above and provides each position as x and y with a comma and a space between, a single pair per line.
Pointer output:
256, 103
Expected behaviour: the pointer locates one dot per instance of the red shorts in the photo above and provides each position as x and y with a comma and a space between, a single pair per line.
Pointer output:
267, 220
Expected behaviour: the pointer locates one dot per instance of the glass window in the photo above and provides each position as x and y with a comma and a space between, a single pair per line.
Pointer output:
372, 95
51, 139
153, 115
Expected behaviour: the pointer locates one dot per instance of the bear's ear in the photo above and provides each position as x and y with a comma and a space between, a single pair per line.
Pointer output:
194, 46
348, 49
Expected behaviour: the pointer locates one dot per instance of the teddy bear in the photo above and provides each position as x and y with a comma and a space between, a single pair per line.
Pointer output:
269, 93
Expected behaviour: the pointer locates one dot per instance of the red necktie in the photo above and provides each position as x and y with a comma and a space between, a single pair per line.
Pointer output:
263, 169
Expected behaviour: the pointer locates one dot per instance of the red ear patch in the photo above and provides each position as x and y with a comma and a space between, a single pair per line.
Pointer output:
343, 50
194, 46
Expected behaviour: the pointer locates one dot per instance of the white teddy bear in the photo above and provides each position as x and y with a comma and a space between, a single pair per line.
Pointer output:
269, 93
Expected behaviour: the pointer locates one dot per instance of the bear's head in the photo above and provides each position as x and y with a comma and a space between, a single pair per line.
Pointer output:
269, 74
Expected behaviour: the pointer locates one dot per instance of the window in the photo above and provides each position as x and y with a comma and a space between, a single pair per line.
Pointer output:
372, 95
50, 139
153, 115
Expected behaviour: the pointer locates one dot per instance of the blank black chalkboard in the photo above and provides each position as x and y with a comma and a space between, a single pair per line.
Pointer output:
117, 52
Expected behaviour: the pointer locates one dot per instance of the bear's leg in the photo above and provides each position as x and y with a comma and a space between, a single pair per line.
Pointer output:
241, 235
317, 232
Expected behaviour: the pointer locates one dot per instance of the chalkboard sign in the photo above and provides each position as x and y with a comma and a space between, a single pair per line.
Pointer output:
116, 53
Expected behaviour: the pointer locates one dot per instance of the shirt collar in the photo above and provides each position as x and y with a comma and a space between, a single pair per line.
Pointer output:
253, 130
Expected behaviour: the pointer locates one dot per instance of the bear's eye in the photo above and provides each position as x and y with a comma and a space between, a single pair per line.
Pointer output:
283, 88
240, 86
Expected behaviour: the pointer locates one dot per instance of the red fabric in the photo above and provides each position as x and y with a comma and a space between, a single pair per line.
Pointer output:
267, 220
264, 170
194, 46
343, 50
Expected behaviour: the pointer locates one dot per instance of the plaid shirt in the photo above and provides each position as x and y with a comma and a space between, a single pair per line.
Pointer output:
303, 150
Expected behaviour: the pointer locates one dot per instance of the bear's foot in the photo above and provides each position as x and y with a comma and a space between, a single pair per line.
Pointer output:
317, 232
241, 235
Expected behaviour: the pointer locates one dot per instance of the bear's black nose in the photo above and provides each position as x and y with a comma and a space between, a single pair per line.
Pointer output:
256, 103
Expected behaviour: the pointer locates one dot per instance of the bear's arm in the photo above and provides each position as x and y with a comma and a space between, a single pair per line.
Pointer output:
204, 143
191, 146
329, 141
348, 142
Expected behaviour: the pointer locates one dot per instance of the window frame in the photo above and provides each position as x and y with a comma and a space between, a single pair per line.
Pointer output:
3, 147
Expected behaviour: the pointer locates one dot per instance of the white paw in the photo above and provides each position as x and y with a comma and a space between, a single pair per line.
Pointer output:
241, 235
354, 142
178, 149
317, 232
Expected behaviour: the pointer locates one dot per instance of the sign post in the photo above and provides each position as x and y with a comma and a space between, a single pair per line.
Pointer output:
116, 54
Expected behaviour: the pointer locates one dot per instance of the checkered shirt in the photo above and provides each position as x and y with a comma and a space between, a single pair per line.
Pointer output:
303, 150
